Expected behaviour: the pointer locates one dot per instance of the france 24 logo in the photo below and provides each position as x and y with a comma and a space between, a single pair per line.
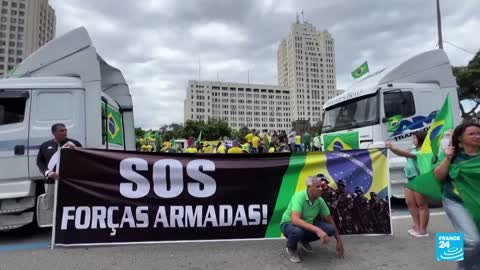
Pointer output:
449, 246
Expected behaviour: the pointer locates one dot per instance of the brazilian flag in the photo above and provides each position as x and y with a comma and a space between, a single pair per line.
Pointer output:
426, 183
360, 71
393, 123
341, 141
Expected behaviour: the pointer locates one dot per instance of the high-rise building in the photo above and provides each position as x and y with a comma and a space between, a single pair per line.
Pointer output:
25, 25
306, 65
256, 106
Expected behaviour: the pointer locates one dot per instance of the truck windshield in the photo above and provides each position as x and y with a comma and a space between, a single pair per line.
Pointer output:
355, 113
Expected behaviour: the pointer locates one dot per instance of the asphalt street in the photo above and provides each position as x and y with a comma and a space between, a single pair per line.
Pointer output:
25, 249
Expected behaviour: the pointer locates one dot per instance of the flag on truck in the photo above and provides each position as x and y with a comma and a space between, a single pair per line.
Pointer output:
341, 141
426, 183
360, 71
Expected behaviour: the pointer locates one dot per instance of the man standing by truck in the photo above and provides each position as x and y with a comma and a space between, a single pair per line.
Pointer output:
47, 159
49, 149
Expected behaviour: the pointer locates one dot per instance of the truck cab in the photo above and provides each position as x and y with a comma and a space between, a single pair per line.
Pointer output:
65, 81
393, 104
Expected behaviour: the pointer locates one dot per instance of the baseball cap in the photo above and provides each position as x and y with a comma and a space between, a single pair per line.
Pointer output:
323, 178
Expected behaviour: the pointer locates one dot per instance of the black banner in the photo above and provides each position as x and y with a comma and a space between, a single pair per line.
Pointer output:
132, 197
110, 196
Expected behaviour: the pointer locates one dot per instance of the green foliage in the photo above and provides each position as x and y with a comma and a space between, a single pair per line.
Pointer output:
139, 132
468, 80
217, 129
241, 133
211, 130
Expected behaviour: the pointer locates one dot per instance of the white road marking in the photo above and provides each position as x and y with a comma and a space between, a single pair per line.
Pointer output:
408, 216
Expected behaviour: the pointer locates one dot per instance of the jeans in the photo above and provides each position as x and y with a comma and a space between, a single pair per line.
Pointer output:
292, 147
296, 234
463, 222
307, 147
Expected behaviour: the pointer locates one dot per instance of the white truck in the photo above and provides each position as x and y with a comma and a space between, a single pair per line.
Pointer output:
394, 103
64, 81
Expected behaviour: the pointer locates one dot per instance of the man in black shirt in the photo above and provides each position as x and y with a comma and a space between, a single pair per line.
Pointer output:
47, 159
48, 154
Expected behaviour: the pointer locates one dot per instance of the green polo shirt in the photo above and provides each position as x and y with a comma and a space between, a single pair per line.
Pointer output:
308, 212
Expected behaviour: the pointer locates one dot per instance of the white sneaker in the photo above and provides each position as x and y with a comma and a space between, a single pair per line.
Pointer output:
413, 230
293, 255
420, 234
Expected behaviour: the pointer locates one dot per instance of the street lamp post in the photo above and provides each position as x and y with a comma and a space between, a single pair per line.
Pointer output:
439, 25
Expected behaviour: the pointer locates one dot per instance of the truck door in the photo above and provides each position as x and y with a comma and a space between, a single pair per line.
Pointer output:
51, 106
398, 109
14, 122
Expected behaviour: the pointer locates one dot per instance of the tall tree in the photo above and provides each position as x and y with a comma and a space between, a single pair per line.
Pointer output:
468, 80
139, 132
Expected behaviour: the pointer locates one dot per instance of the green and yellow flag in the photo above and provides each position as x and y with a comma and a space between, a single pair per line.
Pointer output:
430, 147
114, 125
341, 141
426, 183
360, 71
199, 138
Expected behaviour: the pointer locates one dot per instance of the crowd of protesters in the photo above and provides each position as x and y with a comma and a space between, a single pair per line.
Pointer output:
254, 142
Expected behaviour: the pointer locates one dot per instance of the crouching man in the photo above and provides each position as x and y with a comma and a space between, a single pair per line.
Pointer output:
308, 219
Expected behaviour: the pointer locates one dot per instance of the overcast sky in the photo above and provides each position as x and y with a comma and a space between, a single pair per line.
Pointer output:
158, 43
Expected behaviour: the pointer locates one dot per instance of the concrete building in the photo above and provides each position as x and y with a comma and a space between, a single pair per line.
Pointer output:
306, 66
25, 25
252, 105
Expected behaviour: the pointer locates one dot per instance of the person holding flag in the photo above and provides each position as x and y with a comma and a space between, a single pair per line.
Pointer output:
459, 172
425, 183
417, 203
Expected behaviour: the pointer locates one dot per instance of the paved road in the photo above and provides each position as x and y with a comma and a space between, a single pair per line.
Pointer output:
400, 251
27, 239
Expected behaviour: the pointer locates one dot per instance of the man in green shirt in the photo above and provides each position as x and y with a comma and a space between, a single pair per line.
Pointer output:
307, 138
300, 224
